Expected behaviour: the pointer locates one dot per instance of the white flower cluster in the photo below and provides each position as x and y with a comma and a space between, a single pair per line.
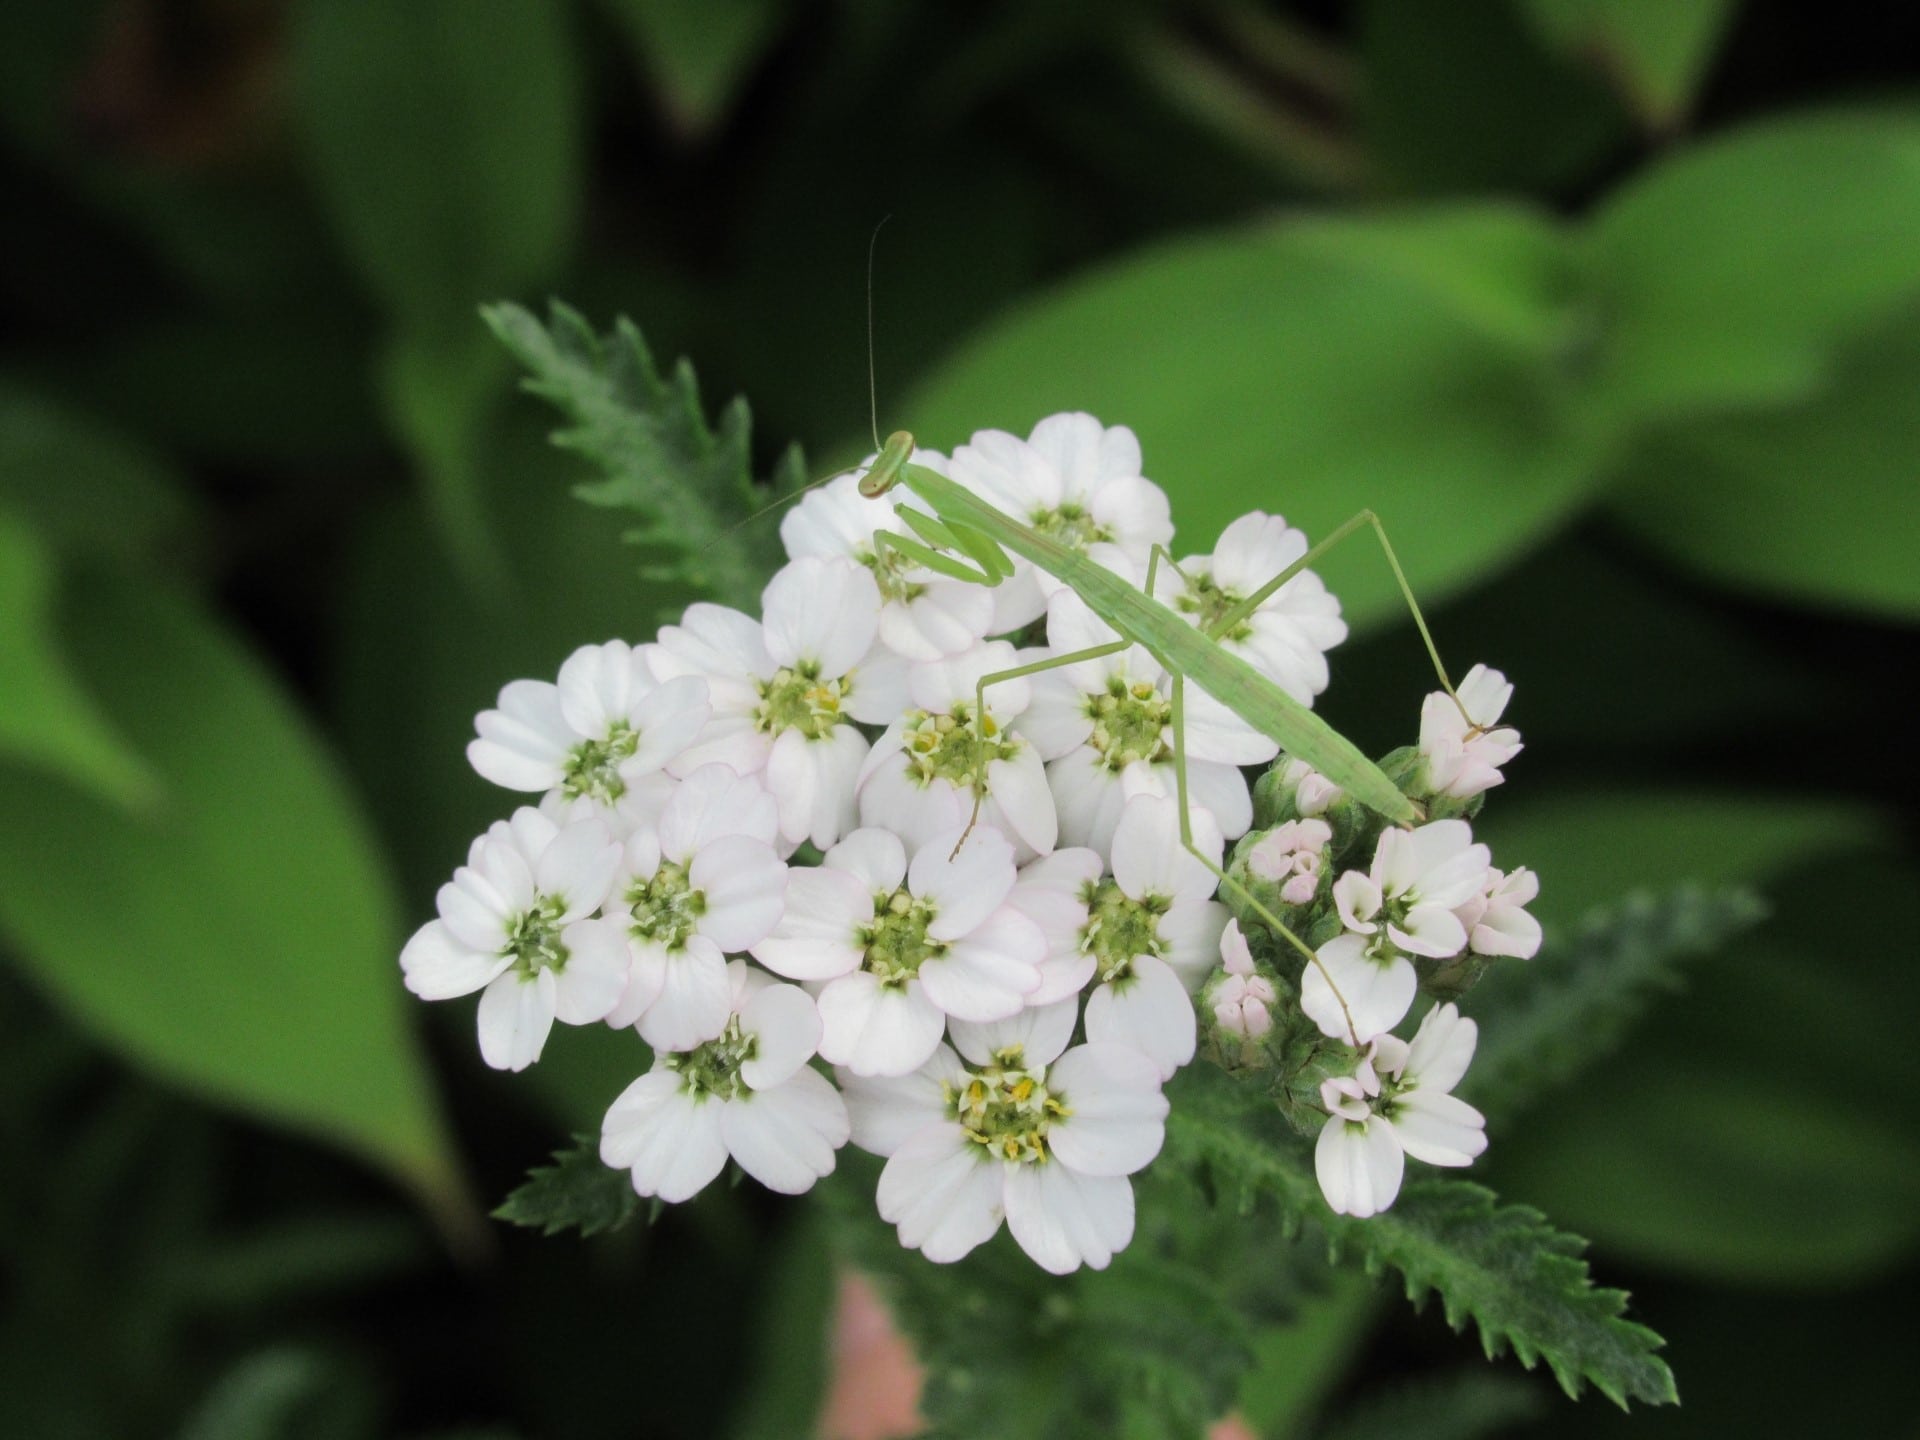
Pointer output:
759, 841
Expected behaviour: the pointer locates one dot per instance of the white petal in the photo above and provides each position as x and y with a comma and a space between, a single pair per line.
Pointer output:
1442, 1049
1118, 1115
964, 887
523, 744
745, 885
989, 974
694, 999
669, 718
1215, 732
1018, 786
1089, 798
1191, 932
1040, 1033
942, 1192
876, 1029
646, 978
1359, 1165
814, 939
438, 966
598, 684
786, 1029
785, 1137
1148, 1012
595, 975
669, 1140
1377, 997
516, 1012
579, 866
1430, 930
715, 800
825, 610
475, 911
887, 1110
1064, 1219
1439, 1129
875, 855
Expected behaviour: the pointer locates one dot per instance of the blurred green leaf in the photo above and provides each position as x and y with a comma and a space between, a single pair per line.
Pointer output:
1818, 503
83, 488
1466, 96
700, 52
1729, 273
1298, 1365
1463, 1405
794, 1349
1590, 849
1416, 365
1654, 52
46, 716
1728, 1142
439, 393
241, 939
287, 1393
446, 139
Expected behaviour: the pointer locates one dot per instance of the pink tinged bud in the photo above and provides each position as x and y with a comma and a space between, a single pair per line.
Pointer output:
1271, 857
1315, 794
1258, 1019
1235, 954
1344, 1098
1300, 889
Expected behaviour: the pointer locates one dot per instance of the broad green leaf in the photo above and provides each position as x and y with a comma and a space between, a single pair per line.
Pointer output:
1727, 1141
1655, 52
1542, 1023
241, 939
82, 487
1501, 1268
700, 52
1818, 502
47, 718
446, 138
1727, 275
1590, 849
1413, 365
1466, 96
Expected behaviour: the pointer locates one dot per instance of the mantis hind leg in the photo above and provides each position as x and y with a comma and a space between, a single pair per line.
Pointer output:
1227, 882
996, 677
1365, 519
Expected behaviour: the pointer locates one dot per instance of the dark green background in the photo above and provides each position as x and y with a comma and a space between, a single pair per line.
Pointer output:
1611, 310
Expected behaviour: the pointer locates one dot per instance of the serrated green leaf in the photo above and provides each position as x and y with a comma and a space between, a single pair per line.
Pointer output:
1418, 365
577, 1192
241, 938
1503, 1269
649, 436
1544, 1021
446, 139
47, 719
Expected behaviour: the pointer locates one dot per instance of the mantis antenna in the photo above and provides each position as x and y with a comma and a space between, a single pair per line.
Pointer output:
873, 385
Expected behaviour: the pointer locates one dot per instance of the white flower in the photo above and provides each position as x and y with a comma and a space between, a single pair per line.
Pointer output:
901, 948
923, 615
1398, 1103
748, 1093
1363, 984
703, 881
1011, 1127
1074, 480
1464, 755
1242, 998
1497, 921
1105, 727
1289, 856
513, 924
607, 725
785, 695
1154, 932
926, 770
1287, 638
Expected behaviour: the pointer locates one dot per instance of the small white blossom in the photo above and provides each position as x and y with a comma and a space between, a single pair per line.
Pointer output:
901, 948
605, 726
1074, 480
1288, 636
1464, 755
702, 882
748, 1093
925, 771
1010, 1127
1313, 793
1289, 856
1497, 921
785, 695
513, 925
1398, 1103
923, 615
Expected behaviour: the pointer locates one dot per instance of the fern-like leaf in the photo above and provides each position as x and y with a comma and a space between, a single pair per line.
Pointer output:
691, 482
1543, 1022
576, 1192
1502, 1268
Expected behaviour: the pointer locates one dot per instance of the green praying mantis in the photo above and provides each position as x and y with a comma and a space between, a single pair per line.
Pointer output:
963, 536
